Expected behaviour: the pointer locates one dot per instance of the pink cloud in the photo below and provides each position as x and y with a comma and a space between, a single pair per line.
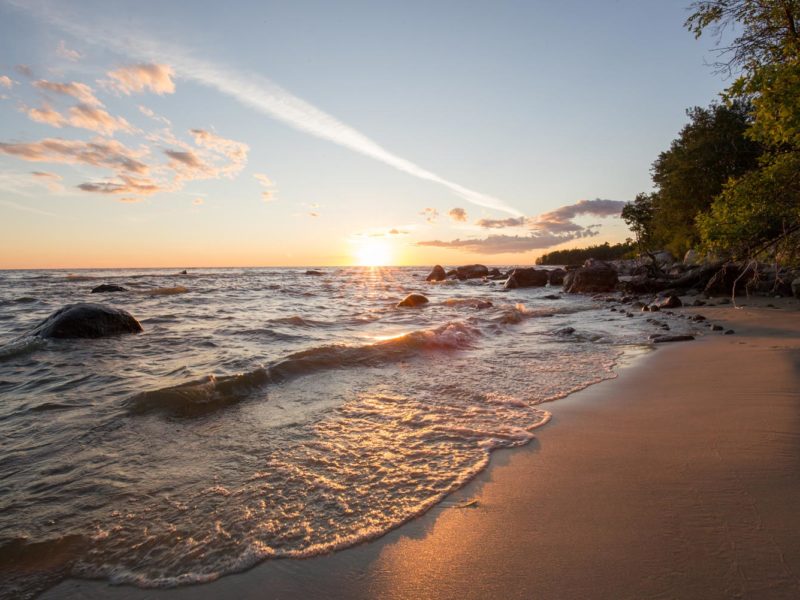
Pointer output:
430, 214
80, 91
96, 153
51, 180
97, 119
46, 115
123, 184
143, 77
500, 223
458, 214
236, 152
263, 179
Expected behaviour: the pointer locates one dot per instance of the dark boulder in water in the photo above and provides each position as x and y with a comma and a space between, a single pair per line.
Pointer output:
107, 288
437, 274
595, 276
314, 272
528, 277
556, 276
472, 271
87, 321
413, 300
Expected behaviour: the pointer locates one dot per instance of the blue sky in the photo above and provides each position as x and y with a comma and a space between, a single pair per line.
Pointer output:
371, 122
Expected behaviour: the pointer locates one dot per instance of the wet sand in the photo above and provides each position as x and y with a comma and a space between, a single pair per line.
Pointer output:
678, 479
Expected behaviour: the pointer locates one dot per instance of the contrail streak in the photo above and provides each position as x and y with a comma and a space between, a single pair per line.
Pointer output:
257, 92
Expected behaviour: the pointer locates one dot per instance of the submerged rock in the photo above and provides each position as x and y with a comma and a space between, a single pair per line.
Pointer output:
437, 274
87, 321
107, 288
314, 272
413, 300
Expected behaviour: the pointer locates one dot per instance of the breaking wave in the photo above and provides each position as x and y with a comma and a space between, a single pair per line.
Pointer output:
212, 393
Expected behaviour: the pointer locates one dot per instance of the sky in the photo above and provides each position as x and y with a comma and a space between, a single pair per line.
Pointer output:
190, 134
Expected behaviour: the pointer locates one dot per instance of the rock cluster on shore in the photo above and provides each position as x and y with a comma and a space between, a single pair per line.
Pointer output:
659, 273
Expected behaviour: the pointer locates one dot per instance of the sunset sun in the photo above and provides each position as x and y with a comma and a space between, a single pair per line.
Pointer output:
373, 253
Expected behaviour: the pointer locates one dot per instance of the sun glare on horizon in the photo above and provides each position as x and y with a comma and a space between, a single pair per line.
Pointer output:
373, 253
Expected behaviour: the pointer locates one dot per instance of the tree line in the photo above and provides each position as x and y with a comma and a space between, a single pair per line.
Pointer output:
576, 256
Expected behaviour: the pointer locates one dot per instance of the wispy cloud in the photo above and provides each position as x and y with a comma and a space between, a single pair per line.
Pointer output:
123, 184
45, 115
51, 180
148, 112
97, 153
24, 70
501, 223
263, 179
430, 214
252, 90
30, 209
68, 53
6, 81
83, 116
97, 120
80, 91
267, 195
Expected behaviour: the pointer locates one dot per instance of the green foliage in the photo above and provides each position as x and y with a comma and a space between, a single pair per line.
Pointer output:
709, 150
639, 217
574, 256
757, 214
766, 31
776, 104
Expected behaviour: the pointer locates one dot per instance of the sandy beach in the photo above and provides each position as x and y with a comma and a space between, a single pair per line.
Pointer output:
678, 479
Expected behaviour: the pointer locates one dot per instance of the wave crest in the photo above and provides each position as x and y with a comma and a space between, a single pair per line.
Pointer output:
211, 393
